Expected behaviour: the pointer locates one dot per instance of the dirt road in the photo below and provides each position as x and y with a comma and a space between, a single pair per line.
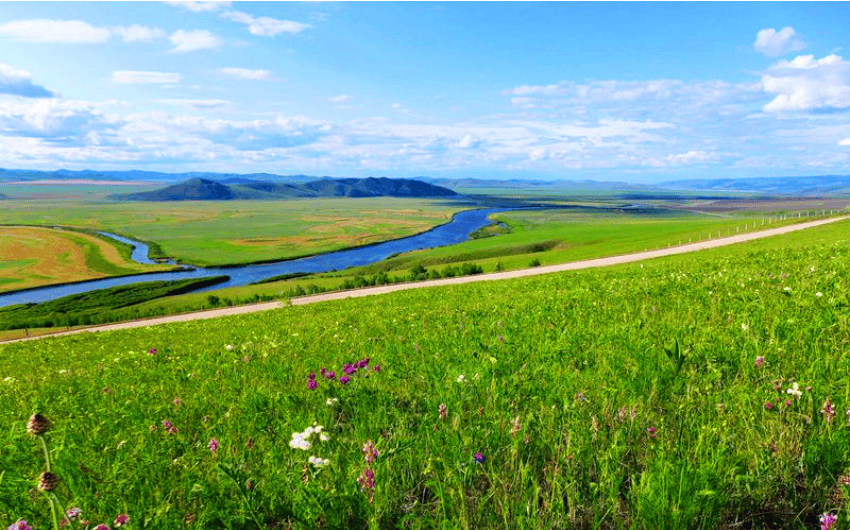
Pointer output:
370, 291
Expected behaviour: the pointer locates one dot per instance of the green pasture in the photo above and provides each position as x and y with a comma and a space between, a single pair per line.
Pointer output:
706, 390
226, 232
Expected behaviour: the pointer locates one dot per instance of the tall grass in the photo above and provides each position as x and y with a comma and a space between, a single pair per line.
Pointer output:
630, 397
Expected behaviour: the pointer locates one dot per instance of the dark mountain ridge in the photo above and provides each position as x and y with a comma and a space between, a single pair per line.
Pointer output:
199, 189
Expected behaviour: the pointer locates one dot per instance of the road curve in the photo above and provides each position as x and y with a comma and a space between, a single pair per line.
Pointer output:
371, 291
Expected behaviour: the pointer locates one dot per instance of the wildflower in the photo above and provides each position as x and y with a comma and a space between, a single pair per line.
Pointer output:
324, 437
107, 390
331, 402
323, 371
312, 376
377, 367
828, 410
311, 384
48, 481
794, 391
580, 397
299, 441
479, 458
122, 519
177, 401
213, 445
759, 361
152, 351
38, 424
73, 513
318, 462
370, 452
168, 427
101, 527
818, 294
461, 378
444, 411
745, 327
844, 479
344, 379
652, 432
330, 375
20, 524
787, 402
827, 520
768, 405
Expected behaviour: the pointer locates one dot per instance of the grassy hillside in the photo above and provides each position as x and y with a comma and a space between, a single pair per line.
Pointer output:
650, 395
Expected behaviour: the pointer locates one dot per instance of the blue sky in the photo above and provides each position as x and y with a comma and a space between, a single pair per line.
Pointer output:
631, 91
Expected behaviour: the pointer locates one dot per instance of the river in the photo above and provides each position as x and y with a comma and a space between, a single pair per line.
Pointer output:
456, 231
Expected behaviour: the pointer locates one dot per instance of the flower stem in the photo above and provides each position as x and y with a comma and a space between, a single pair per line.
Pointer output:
46, 452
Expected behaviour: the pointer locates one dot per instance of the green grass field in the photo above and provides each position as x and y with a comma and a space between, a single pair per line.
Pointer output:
227, 232
698, 391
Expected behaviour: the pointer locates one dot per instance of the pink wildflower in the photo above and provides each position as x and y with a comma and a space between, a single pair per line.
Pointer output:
827, 520
122, 519
759, 361
213, 445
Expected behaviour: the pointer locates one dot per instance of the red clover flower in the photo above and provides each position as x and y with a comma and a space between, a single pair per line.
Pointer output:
370, 452
759, 361
312, 384
827, 520
20, 524
652, 432
828, 410
73, 513
152, 351
444, 411
344, 379
122, 519
213, 445
101, 527
479, 458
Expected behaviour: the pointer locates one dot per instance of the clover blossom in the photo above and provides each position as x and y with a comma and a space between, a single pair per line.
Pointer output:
828, 410
444, 411
479, 458
827, 520
370, 452
213, 445
759, 361
318, 462
20, 524
794, 391
122, 519
344, 379
73, 513
312, 384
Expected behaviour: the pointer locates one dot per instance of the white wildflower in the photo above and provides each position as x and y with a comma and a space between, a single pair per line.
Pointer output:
745, 327
318, 462
228, 347
299, 442
461, 378
331, 402
324, 437
818, 294
787, 289
795, 390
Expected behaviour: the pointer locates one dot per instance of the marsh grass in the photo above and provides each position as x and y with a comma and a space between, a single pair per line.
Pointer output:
627, 397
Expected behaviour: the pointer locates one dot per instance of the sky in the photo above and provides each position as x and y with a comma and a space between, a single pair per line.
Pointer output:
632, 91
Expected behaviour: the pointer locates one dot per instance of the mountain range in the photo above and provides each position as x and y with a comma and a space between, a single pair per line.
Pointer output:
239, 188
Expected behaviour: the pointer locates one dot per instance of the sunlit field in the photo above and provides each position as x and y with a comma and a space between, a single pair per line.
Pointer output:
696, 391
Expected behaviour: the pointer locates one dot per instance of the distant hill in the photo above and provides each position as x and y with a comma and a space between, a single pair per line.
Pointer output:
199, 189
149, 176
805, 186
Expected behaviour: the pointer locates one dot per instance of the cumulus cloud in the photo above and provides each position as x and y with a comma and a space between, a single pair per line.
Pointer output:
845, 142
200, 7
198, 104
265, 26
136, 33
806, 83
244, 73
53, 119
772, 43
19, 83
60, 31
130, 77
193, 40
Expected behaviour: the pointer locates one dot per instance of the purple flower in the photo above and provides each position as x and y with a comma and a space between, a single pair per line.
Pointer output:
101, 527
827, 520
444, 411
20, 524
479, 458
367, 479
312, 384
828, 410
768, 405
152, 351
73, 513
377, 367
759, 361
787, 402
370, 452
123, 519
213, 445
312, 376
652, 432
323, 371
330, 375
344, 379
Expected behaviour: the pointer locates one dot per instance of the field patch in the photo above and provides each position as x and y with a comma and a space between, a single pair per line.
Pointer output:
34, 256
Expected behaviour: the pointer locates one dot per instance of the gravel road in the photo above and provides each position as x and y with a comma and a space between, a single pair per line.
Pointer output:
371, 291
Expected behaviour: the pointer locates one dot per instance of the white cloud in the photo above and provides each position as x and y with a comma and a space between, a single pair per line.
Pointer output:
265, 26
808, 84
244, 73
200, 7
19, 83
193, 40
772, 43
129, 77
53, 119
845, 141
341, 99
199, 104
136, 33
64, 31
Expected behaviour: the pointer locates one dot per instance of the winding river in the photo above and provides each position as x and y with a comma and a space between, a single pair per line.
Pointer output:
456, 231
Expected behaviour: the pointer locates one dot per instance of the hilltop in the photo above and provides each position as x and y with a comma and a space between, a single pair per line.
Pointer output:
199, 189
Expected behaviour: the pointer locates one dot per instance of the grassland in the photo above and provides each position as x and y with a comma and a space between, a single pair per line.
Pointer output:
226, 232
35, 256
697, 391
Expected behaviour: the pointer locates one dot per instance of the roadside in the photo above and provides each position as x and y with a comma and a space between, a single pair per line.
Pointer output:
371, 291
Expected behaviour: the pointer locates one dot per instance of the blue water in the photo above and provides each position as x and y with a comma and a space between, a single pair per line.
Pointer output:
456, 231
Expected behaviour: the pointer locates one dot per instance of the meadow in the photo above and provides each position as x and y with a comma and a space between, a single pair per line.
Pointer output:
696, 391
32, 256
208, 233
